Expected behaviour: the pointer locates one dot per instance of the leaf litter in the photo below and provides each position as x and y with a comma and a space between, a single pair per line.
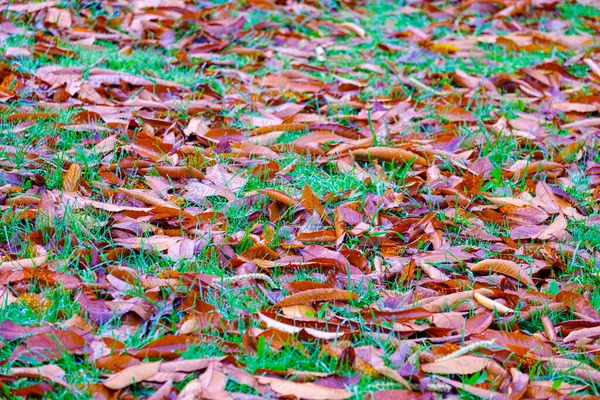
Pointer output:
385, 200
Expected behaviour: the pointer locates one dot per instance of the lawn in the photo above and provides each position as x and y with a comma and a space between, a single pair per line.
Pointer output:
316, 199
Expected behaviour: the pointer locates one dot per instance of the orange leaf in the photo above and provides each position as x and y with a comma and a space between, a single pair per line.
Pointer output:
277, 128
389, 154
280, 197
312, 204
71, 179
504, 267
318, 236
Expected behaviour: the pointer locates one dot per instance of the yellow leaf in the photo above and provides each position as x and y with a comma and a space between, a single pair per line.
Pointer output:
443, 48
492, 304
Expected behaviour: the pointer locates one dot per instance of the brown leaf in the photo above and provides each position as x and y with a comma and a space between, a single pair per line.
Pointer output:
58, 16
308, 391
132, 375
579, 305
157, 242
315, 295
36, 390
290, 326
354, 28
198, 191
519, 384
457, 114
478, 323
221, 177
90, 95
310, 202
464, 365
317, 237
71, 179
517, 342
524, 168
24, 263
549, 389
117, 363
51, 345
281, 197
474, 390
163, 392
277, 128
394, 394
504, 267
584, 372
544, 198
194, 364
167, 346
147, 198
52, 373
191, 391
437, 304
591, 333
6, 299
389, 154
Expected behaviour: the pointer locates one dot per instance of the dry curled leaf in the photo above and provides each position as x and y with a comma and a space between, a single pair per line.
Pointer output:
504, 267
492, 305
315, 295
389, 154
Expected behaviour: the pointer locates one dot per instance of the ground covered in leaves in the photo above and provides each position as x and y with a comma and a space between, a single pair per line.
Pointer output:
315, 199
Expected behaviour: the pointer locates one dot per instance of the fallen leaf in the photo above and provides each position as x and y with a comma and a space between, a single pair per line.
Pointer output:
71, 178
504, 267
304, 390
132, 375
315, 295
463, 365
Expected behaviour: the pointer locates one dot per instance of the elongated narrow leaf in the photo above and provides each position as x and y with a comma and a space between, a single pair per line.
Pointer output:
464, 365
389, 154
304, 390
132, 375
315, 295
